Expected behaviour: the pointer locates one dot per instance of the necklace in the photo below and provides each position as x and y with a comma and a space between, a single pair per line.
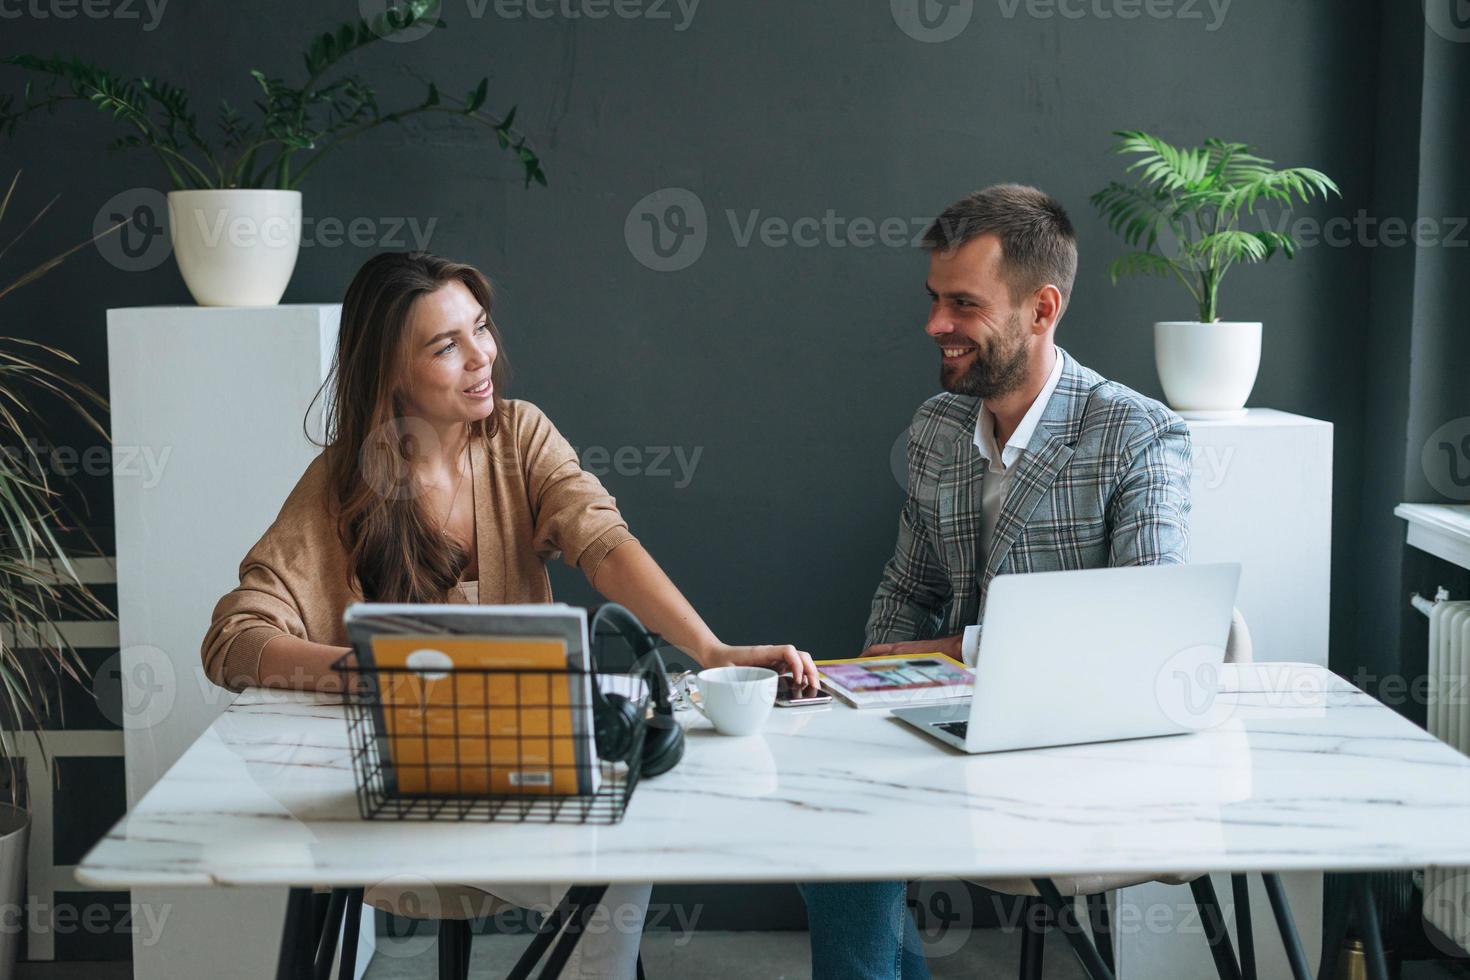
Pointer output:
444, 528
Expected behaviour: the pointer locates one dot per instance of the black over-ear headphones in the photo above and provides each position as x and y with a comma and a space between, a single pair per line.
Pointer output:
615, 717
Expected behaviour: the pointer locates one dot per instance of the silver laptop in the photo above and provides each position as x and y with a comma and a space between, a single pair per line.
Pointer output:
1092, 656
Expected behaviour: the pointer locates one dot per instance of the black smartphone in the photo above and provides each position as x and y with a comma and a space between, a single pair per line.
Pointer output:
788, 697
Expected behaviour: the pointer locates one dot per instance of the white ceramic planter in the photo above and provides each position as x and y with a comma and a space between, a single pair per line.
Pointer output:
15, 831
235, 247
1207, 369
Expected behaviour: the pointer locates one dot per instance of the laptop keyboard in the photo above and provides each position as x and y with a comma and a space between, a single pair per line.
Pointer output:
955, 728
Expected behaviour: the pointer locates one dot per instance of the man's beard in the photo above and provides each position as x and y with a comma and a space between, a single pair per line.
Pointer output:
996, 370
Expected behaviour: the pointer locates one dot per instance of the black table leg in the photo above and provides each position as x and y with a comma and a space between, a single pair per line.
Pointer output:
351, 925
297, 939
455, 938
545, 933
1296, 955
1033, 937
1102, 929
1240, 889
1335, 915
574, 909
572, 934
1367, 916
326, 947
1215, 932
1087, 954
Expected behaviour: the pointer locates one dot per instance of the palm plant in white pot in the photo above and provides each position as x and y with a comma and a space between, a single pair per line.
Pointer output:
235, 211
1182, 216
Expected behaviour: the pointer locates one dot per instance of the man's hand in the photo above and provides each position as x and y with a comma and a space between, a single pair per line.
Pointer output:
948, 645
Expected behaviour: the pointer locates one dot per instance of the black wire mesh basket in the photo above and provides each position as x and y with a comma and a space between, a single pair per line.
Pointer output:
503, 744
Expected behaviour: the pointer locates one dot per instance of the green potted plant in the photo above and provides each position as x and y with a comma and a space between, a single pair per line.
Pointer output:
1182, 217
235, 207
39, 584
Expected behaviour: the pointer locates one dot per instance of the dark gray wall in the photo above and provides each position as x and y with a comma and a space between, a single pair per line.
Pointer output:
791, 370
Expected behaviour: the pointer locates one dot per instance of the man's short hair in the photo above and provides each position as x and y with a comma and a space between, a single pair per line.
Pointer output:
1037, 242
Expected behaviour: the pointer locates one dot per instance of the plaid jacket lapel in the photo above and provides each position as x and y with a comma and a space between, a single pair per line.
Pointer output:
960, 499
1036, 471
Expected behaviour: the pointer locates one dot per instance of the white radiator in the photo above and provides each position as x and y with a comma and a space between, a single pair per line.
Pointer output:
1447, 890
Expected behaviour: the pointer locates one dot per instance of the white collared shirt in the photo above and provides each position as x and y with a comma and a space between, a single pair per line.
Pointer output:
1001, 466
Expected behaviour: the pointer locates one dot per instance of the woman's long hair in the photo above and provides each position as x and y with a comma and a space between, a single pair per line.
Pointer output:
395, 548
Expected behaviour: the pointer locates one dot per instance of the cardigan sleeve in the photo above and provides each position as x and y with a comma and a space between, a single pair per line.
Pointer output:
571, 513
288, 581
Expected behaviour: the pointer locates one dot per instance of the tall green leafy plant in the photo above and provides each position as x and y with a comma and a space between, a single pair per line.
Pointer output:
294, 128
1192, 200
40, 585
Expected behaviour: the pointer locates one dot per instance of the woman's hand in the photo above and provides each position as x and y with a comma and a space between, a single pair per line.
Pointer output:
778, 657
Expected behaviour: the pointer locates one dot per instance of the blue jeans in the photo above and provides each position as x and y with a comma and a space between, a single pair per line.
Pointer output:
862, 930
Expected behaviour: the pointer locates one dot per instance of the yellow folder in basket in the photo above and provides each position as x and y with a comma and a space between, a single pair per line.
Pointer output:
460, 731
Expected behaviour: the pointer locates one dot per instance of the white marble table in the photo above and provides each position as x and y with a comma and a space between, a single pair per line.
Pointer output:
1307, 773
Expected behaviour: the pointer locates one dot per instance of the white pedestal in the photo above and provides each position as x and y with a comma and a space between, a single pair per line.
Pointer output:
207, 413
1262, 496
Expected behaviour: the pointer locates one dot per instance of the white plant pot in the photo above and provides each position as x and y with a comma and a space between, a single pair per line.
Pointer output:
15, 831
235, 247
1207, 369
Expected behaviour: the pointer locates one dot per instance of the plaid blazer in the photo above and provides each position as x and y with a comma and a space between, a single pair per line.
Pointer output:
1104, 481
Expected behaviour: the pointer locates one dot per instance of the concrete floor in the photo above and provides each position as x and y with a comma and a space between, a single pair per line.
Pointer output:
986, 954
728, 956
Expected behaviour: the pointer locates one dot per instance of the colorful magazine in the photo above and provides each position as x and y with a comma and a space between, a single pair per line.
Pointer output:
897, 681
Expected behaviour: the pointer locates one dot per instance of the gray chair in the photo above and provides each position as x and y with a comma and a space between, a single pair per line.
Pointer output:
1053, 900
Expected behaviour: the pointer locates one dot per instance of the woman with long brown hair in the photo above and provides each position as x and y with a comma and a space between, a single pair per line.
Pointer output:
433, 488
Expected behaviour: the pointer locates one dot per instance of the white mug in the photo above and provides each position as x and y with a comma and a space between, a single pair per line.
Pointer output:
737, 700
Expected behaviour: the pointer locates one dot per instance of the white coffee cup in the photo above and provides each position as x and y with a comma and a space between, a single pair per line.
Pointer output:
737, 700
